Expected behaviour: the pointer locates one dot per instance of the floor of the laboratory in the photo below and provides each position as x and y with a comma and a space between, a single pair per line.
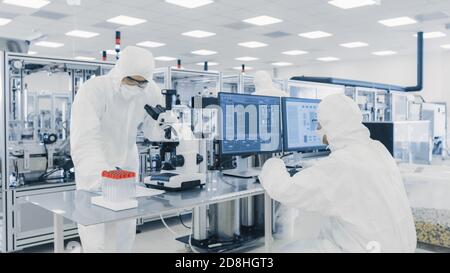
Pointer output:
155, 238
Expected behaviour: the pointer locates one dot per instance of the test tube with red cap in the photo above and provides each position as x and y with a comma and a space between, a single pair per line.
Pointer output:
118, 185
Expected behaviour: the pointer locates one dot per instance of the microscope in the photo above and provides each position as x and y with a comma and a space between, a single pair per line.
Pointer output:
178, 163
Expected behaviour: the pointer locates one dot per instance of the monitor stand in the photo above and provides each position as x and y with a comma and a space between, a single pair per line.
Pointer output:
243, 170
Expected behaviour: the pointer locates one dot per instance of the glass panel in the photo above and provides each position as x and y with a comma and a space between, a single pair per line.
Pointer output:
303, 92
45, 115
366, 102
159, 79
62, 116
230, 84
249, 86
413, 142
382, 106
189, 84
400, 108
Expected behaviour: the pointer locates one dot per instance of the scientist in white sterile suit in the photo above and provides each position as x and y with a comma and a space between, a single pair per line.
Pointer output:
106, 113
264, 85
358, 189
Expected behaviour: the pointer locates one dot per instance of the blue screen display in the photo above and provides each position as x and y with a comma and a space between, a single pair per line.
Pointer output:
250, 124
300, 124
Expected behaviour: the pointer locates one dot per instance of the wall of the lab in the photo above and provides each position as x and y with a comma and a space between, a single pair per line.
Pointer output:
400, 70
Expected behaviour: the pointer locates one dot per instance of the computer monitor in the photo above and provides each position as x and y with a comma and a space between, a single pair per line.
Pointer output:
250, 124
300, 125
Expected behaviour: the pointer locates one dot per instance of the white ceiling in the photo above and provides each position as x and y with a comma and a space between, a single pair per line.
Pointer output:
166, 22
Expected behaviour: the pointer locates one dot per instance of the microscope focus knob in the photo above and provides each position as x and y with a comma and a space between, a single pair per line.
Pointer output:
179, 161
199, 159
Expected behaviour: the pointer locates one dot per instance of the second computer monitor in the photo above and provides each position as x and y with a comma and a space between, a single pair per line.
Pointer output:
300, 125
250, 124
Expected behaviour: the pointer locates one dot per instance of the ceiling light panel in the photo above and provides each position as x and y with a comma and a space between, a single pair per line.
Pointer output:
247, 59
198, 34
82, 34
165, 59
328, 59
150, 44
190, 4
252, 44
350, 4
355, 44
384, 53
4, 21
263, 20
432, 35
282, 64
294, 52
33, 4
204, 52
49, 44
240, 68
126, 20
315, 34
399, 21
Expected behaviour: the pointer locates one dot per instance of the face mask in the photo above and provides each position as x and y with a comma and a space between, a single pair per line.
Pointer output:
129, 92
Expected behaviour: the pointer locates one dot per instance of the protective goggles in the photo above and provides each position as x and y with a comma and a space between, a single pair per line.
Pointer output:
134, 82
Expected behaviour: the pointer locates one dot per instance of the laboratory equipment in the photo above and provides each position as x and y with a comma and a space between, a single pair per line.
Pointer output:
300, 125
407, 141
180, 156
374, 103
436, 113
249, 125
38, 93
405, 107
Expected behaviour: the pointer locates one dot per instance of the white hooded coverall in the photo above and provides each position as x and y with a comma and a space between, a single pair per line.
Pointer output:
358, 189
264, 85
104, 127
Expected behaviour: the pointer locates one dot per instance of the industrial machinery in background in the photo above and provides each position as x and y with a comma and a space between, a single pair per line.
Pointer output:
38, 94
436, 113
407, 141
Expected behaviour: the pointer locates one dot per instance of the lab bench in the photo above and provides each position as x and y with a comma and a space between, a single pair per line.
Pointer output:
76, 205
428, 188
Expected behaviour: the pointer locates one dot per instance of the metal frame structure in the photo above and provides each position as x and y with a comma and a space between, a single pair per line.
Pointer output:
14, 210
168, 73
242, 79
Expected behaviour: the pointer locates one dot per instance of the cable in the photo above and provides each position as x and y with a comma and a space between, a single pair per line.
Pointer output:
190, 239
223, 162
190, 244
286, 155
181, 220
168, 228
